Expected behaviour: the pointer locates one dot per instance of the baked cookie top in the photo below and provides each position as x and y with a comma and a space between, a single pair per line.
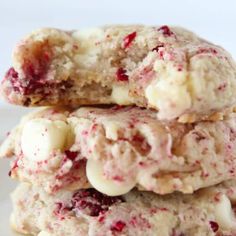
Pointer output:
169, 69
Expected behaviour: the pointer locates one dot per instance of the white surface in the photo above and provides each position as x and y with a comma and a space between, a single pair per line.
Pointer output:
212, 19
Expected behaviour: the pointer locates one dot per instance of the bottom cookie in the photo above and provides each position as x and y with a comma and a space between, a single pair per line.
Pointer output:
209, 211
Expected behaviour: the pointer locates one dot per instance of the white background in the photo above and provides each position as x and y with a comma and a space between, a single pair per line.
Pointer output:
212, 19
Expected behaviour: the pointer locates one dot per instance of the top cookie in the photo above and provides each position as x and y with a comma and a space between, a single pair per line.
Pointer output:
169, 69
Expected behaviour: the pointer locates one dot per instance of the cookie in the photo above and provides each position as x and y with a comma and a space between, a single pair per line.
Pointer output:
169, 69
88, 212
53, 165
116, 149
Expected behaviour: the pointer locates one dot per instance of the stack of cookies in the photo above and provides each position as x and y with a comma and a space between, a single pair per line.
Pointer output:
138, 136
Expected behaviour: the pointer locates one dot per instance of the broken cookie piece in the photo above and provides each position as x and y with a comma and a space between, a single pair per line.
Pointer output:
169, 69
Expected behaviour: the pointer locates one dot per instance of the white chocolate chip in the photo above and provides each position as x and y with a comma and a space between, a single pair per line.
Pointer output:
120, 95
224, 213
44, 233
171, 100
88, 45
112, 130
169, 93
94, 171
40, 137
85, 34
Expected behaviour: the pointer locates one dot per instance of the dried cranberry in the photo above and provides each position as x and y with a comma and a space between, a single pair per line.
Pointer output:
158, 47
140, 142
138, 138
101, 218
61, 210
222, 86
118, 226
92, 202
207, 50
121, 75
21, 86
12, 73
79, 164
165, 30
12, 77
35, 75
214, 226
129, 39
34, 72
71, 155
118, 178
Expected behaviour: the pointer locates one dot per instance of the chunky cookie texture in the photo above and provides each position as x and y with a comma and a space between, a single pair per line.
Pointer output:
86, 212
41, 146
118, 148
169, 69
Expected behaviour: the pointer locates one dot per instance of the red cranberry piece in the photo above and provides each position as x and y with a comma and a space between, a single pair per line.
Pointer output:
92, 202
118, 226
138, 138
18, 85
166, 30
129, 39
222, 86
118, 178
12, 73
71, 155
214, 226
61, 210
80, 163
207, 50
141, 142
12, 76
158, 47
121, 75
35, 75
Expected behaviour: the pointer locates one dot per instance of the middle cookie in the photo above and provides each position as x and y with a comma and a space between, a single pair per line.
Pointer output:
116, 149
